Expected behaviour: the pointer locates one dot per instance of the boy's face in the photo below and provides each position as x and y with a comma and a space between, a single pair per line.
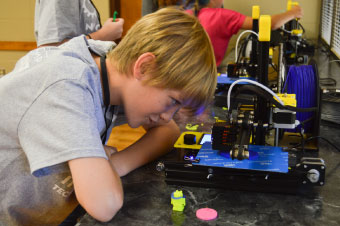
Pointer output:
147, 105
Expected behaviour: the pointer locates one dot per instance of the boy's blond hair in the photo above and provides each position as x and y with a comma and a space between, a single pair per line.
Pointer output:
184, 56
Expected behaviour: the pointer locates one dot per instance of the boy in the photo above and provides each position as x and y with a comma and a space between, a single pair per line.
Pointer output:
221, 24
149, 6
57, 21
52, 111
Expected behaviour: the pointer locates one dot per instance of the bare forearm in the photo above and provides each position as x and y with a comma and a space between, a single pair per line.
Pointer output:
156, 142
97, 186
280, 19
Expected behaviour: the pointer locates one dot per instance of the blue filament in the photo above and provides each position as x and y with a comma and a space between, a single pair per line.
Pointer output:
301, 81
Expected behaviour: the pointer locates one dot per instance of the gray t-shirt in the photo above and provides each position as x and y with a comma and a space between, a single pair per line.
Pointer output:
51, 112
57, 20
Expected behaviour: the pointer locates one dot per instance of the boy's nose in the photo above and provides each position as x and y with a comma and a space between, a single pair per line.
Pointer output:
155, 117
168, 115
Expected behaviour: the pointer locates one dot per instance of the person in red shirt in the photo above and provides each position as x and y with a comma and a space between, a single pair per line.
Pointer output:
221, 24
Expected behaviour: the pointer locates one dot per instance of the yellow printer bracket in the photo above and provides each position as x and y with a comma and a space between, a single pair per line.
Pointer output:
256, 12
180, 141
287, 99
290, 4
265, 28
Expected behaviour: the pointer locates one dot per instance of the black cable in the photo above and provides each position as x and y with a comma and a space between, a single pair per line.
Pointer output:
246, 41
272, 72
330, 95
273, 66
303, 29
332, 82
302, 139
243, 45
316, 128
307, 120
317, 137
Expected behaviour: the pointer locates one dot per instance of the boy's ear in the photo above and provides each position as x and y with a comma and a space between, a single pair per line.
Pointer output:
142, 63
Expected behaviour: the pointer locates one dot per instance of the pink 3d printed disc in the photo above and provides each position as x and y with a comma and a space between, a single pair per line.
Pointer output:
206, 214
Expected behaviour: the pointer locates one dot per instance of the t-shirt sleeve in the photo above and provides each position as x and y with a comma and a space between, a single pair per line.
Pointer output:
59, 126
56, 20
233, 20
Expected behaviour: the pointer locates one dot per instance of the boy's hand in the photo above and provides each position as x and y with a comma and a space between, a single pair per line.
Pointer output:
110, 31
109, 150
297, 11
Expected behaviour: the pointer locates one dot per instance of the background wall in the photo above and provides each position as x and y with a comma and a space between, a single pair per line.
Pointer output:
17, 20
17, 24
310, 20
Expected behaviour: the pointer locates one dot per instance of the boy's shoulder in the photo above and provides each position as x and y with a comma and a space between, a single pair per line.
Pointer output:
221, 10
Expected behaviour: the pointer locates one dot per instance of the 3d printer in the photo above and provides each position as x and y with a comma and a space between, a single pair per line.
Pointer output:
297, 48
242, 152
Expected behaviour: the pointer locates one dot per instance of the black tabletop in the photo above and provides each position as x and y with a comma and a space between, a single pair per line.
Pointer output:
148, 198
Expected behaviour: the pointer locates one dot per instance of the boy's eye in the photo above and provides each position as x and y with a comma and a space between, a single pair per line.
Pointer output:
173, 101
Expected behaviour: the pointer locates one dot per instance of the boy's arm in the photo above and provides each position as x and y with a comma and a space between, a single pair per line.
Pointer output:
156, 142
97, 186
99, 189
109, 32
280, 19
277, 20
248, 23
